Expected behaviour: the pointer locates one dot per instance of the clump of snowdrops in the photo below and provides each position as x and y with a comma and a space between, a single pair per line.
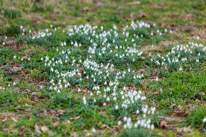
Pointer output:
101, 61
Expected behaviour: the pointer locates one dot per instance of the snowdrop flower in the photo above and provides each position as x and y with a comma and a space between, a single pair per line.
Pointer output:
204, 120
125, 118
84, 100
156, 79
180, 69
94, 130
198, 37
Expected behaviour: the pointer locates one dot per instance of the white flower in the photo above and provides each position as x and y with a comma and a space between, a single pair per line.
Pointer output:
93, 130
84, 100
125, 118
204, 120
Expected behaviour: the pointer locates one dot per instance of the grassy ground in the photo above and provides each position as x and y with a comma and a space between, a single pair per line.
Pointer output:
29, 108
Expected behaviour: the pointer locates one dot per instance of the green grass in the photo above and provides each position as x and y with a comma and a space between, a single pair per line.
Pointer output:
28, 104
195, 118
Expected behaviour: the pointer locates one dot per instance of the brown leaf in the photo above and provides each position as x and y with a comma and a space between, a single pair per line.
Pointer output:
166, 68
135, 3
56, 123
23, 73
24, 57
172, 106
85, 9
163, 124
37, 129
75, 118
4, 120
99, 4
9, 114
173, 24
76, 75
67, 121
44, 129
185, 129
60, 111
132, 14
180, 111
14, 119
112, 70
156, 93
142, 14
173, 119
81, 70
15, 68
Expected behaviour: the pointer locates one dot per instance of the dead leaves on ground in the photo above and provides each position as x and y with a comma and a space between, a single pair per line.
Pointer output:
16, 68
158, 92
135, 3
9, 115
163, 124
44, 129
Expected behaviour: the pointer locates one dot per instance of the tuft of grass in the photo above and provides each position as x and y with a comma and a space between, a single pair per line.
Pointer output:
135, 133
195, 118
11, 13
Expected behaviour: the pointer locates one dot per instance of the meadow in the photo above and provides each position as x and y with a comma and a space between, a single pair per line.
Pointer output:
103, 68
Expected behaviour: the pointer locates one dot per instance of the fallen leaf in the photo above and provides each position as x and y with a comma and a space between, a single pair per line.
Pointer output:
60, 111
15, 68
75, 118
14, 119
132, 14
67, 121
81, 70
99, 4
44, 129
173, 24
37, 129
172, 119
76, 75
112, 70
166, 68
23, 73
185, 129
24, 57
9, 114
172, 106
135, 3
180, 111
156, 93
4, 120
163, 124
56, 123
86, 9
142, 14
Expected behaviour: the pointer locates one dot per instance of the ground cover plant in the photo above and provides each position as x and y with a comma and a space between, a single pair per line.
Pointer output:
102, 68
